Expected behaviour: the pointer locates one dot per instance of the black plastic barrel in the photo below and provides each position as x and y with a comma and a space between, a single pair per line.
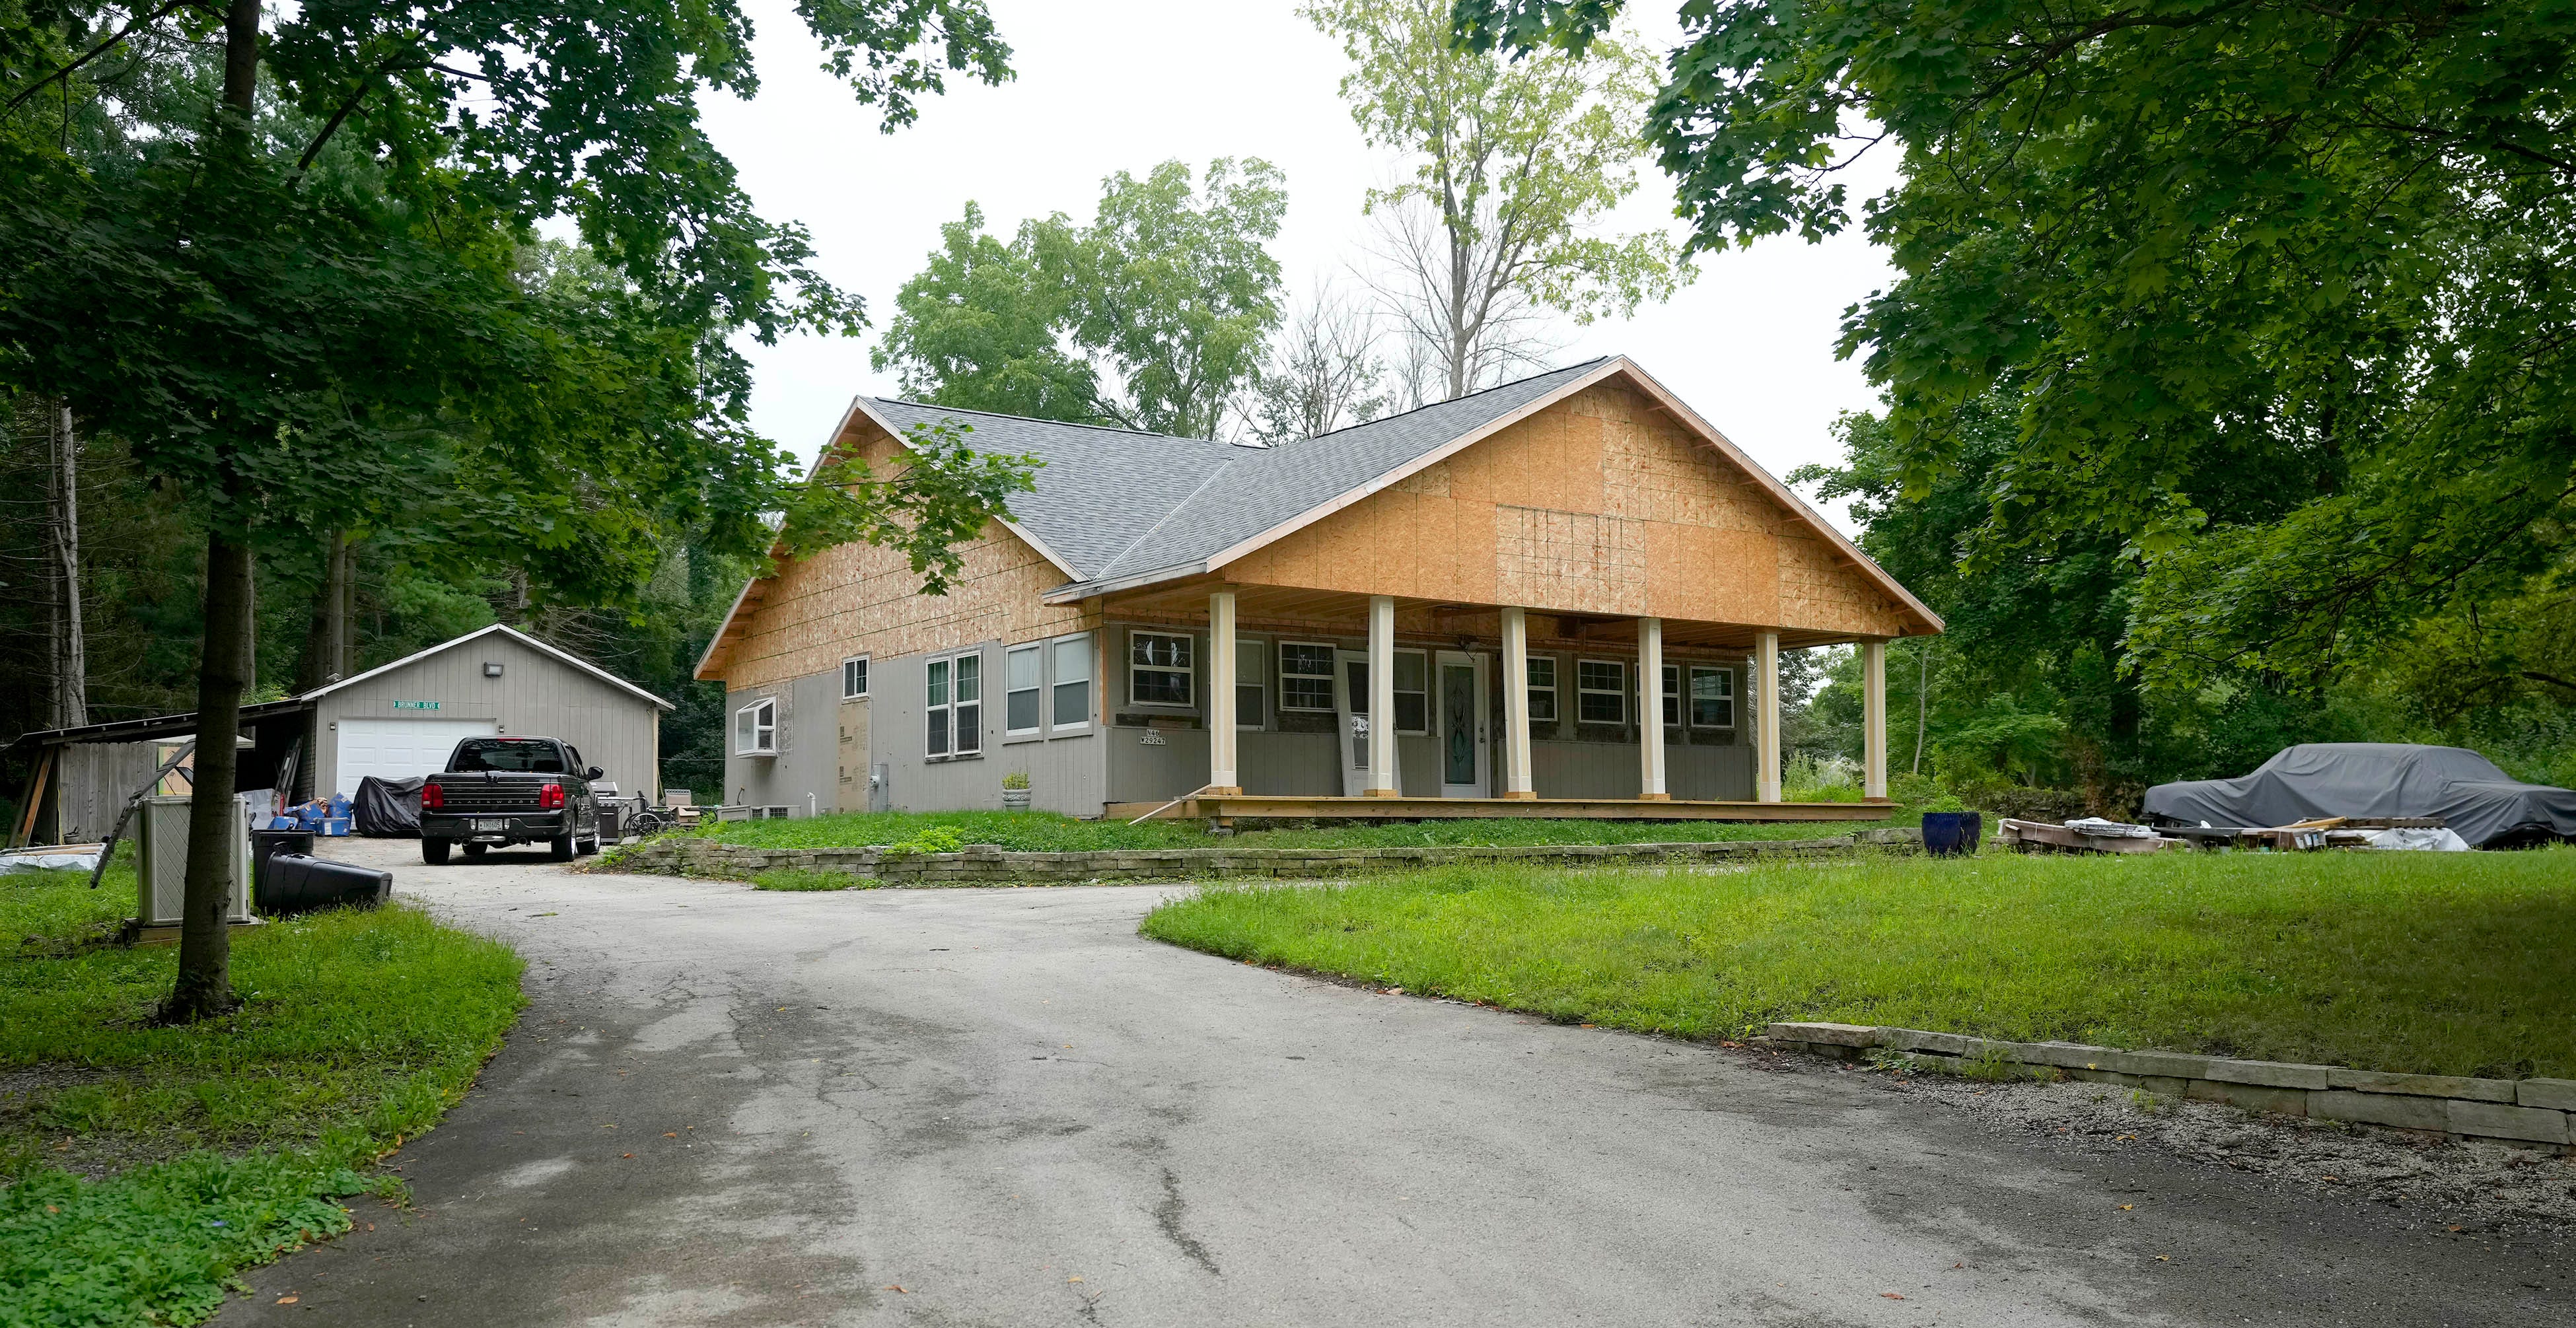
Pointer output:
1952, 834
301, 883
265, 844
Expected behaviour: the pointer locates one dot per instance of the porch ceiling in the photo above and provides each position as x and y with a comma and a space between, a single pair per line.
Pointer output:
1345, 613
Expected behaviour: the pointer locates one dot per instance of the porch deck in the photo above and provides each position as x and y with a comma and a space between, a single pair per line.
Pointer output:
1261, 807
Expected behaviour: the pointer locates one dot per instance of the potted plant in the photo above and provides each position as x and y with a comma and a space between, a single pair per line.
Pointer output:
1015, 791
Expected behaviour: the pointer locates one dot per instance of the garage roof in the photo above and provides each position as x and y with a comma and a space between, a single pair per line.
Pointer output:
506, 630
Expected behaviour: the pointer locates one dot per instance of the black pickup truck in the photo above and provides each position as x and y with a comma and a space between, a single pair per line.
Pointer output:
504, 791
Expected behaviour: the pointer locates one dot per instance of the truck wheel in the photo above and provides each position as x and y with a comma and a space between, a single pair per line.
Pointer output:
588, 846
433, 851
563, 849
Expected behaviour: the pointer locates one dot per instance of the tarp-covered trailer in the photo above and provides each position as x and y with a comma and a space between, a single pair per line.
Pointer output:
2371, 780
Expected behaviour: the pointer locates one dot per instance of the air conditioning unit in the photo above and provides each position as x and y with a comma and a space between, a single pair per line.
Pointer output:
161, 869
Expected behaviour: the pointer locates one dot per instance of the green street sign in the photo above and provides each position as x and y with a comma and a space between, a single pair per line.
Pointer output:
415, 705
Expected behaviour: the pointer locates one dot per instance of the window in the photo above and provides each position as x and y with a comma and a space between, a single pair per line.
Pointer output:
854, 678
952, 706
1601, 691
1672, 696
1249, 691
1712, 698
1305, 676
1542, 689
1412, 692
1158, 668
1022, 689
1072, 672
969, 706
755, 728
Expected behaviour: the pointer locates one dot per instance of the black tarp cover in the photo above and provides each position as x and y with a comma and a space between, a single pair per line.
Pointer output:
387, 808
2372, 779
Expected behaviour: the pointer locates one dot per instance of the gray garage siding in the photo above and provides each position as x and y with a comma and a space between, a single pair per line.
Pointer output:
536, 696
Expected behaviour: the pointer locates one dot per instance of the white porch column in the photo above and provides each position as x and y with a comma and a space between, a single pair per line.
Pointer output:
1516, 721
1873, 710
1766, 716
1381, 716
1650, 706
1222, 778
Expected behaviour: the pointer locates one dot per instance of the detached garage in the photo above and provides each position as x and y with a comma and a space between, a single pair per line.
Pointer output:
403, 719
393, 723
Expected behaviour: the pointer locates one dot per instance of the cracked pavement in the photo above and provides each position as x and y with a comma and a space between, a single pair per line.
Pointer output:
1003, 1107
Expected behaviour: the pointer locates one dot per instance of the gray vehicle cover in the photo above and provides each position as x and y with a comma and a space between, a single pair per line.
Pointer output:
2372, 779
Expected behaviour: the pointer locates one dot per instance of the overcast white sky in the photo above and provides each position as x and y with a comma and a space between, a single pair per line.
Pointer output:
1124, 84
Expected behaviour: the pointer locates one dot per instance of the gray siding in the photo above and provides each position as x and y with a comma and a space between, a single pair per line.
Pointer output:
536, 695
1063, 769
807, 763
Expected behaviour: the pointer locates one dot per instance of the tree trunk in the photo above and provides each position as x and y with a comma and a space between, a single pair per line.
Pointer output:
68, 688
331, 632
205, 984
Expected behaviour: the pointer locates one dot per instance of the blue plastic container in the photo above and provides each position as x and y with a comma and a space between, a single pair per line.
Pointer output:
1952, 834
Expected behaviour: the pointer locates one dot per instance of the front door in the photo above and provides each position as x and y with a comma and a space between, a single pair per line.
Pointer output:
1465, 763
1350, 700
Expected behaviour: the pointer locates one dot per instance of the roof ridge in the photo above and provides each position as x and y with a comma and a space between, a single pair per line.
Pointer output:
1435, 405
1040, 419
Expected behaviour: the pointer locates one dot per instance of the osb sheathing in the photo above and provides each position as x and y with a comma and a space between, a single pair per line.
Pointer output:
1598, 504
859, 599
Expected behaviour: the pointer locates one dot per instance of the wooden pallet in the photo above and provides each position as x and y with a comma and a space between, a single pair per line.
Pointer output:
2041, 837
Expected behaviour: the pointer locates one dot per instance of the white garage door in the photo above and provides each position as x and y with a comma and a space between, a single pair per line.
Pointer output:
400, 748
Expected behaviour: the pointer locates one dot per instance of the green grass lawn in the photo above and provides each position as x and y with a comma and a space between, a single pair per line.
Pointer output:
144, 1166
1048, 832
2440, 963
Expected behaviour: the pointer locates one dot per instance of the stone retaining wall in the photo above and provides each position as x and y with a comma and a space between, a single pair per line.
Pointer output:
2536, 1111
983, 864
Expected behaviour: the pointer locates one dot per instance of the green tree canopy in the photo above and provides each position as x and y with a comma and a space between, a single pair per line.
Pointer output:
2283, 291
1512, 169
284, 258
1152, 317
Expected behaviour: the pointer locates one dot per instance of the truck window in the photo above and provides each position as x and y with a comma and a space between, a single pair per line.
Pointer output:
510, 756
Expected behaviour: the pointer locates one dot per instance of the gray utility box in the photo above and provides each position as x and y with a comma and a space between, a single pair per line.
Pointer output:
161, 868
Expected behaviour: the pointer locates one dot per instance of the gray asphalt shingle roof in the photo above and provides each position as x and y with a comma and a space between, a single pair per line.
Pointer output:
1116, 503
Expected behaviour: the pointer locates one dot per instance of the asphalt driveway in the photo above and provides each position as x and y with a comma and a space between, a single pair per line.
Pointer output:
1003, 1107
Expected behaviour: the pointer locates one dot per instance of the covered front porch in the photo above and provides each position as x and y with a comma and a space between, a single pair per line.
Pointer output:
1234, 701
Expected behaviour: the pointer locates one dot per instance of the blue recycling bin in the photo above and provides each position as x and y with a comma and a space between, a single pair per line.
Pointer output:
1952, 834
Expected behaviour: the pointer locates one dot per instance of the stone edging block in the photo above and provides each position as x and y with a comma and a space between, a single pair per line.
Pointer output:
2534, 1111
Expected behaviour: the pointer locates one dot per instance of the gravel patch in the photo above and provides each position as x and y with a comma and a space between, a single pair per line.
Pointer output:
2461, 1185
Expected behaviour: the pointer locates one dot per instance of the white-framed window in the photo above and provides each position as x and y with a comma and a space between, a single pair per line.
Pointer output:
1601, 691
1023, 690
755, 728
1412, 692
1542, 689
1251, 690
1159, 668
952, 697
1672, 692
1305, 675
1712, 697
854, 677
1071, 658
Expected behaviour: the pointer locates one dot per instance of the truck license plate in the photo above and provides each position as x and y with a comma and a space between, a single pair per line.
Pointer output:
488, 827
